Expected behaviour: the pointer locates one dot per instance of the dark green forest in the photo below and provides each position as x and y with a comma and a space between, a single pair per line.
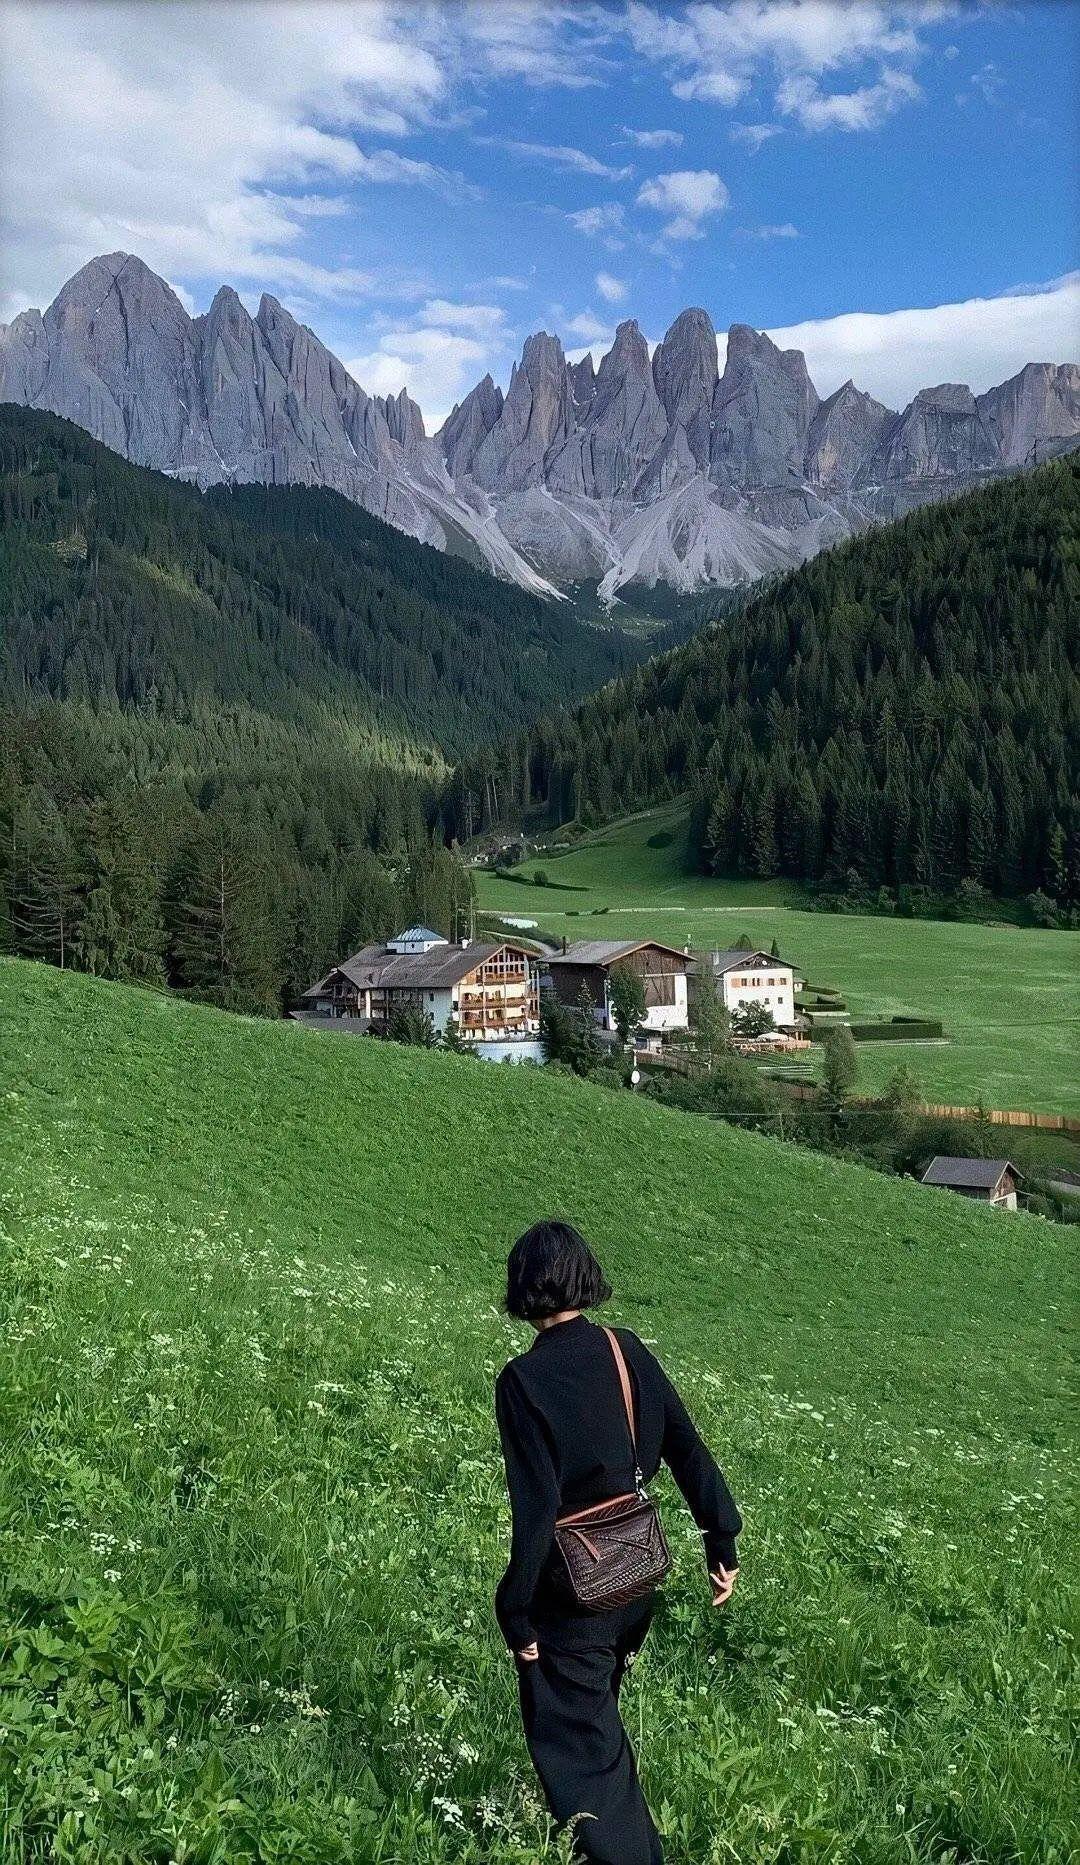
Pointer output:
224, 719
902, 712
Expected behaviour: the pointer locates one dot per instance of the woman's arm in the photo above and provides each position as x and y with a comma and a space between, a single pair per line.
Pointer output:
700, 1479
533, 1485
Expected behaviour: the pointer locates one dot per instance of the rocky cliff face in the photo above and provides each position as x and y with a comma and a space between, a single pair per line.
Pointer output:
641, 470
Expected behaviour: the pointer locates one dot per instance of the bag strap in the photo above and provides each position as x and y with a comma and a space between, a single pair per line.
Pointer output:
627, 1389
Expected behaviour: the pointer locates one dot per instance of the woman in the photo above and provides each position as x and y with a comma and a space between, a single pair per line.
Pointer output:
566, 1445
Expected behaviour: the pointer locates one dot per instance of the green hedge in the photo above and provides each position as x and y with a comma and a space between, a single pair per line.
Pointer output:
897, 1030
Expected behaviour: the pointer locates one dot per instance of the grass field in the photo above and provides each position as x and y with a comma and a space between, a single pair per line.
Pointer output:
1009, 997
251, 1506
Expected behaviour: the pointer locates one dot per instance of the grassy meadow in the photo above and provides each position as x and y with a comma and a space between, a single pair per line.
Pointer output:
1009, 997
251, 1504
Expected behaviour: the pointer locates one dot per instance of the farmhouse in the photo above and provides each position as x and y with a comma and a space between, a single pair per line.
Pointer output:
589, 965
744, 978
994, 1181
488, 988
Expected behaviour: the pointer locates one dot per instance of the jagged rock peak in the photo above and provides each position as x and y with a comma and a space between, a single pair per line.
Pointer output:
845, 432
468, 423
403, 418
685, 366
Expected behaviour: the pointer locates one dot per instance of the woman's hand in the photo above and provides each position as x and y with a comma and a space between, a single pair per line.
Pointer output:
530, 1654
723, 1584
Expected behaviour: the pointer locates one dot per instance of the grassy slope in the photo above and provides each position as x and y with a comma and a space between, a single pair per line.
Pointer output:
1006, 995
265, 1263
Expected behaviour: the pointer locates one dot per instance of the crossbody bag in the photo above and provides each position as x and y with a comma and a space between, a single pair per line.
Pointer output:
616, 1551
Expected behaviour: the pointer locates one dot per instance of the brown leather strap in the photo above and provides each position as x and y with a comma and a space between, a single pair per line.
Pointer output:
624, 1381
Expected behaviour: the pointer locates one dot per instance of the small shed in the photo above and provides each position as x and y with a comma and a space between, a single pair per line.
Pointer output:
992, 1181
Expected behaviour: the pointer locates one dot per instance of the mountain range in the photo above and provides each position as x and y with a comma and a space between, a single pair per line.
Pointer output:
643, 470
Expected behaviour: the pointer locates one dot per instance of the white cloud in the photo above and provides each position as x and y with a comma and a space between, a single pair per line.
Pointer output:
985, 85
608, 217
655, 139
710, 87
437, 353
559, 155
783, 232
539, 42
981, 341
754, 134
612, 290
590, 328
171, 129
690, 194
862, 109
436, 366
474, 317
715, 52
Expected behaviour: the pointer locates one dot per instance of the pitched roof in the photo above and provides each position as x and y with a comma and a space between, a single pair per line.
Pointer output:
605, 952
420, 935
972, 1174
731, 956
375, 967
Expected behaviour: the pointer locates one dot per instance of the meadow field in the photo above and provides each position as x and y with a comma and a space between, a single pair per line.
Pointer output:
251, 1503
1009, 997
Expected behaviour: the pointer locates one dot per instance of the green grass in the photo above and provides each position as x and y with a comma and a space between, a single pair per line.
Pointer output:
251, 1505
1008, 996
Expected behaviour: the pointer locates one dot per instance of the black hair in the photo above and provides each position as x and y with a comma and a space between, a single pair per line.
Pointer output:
551, 1267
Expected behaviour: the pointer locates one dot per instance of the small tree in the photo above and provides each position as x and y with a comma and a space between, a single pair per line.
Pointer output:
626, 990
712, 1022
841, 1065
588, 1046
902, 1090
744, 943
453, 1039
541, 878
751, 1021
774, 949
411, 1025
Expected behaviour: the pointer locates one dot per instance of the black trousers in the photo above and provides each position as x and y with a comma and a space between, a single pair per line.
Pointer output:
579, 1748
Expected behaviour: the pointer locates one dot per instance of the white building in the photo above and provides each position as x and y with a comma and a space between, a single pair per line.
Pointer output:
745, 978
488, 989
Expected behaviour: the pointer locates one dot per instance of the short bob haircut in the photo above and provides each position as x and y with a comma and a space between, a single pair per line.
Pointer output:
552, 1268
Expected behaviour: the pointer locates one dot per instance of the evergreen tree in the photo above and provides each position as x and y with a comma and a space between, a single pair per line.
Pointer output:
626, 992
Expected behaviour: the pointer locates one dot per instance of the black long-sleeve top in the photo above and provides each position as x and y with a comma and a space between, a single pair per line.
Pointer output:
566, 1445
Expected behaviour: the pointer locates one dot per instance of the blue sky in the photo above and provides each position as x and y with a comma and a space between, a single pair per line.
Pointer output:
891, 187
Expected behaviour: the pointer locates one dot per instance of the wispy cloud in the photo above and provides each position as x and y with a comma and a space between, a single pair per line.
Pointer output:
557, 155
654, 139
754, 134
607, 217
785, 231
611, 289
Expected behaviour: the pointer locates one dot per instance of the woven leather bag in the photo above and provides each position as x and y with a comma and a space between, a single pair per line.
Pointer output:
615, 1551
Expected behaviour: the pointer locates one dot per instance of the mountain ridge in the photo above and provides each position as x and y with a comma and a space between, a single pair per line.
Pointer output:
642, 469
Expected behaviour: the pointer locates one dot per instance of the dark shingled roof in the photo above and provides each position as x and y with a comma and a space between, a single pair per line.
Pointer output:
971, 1174
733, 956
376, 967
604, 952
